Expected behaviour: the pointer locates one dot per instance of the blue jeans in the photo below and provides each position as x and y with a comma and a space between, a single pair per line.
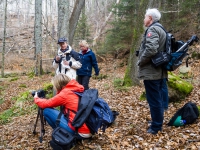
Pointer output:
155, 94
165, 94
51, 115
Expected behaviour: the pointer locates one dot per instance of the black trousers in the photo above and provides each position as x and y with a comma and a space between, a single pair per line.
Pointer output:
84, 80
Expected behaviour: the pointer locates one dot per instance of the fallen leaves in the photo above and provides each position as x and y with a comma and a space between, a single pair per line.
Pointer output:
128, 131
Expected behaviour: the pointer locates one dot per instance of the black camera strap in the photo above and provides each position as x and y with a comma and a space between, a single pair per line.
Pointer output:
59, 65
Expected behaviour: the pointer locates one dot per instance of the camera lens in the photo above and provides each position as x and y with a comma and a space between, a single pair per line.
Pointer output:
33, 93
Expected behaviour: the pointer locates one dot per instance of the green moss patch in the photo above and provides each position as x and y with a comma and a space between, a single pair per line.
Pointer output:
99, 77
175, 82
1, 100
118, 84
14, 79
48, 88
23, 104
1, 88
22, 85
143, 96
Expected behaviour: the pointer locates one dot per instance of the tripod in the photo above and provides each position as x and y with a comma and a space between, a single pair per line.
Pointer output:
42, 123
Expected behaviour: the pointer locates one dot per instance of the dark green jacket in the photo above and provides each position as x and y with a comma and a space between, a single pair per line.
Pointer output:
153, 41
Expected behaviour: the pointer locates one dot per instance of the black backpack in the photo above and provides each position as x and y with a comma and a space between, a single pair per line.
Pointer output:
189, 112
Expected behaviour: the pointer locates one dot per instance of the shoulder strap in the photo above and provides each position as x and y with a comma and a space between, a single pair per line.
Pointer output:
59, 65
58, 118
158, 25
86, 104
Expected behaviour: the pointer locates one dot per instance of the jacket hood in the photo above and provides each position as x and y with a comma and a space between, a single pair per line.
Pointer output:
74, 86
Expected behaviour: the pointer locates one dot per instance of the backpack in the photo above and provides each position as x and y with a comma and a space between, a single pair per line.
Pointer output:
180, 53
189, 113
101, 116
93, 111
175, 51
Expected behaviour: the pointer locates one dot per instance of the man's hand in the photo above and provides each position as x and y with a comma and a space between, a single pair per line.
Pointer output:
65, 62
57, 58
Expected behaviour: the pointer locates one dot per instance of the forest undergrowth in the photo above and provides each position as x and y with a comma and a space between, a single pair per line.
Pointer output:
127, 133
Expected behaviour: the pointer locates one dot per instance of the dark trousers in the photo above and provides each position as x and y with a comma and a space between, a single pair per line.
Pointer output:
165, 94
155, 97
84, 80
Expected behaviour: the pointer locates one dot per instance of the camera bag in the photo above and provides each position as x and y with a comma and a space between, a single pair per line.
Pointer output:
61, 138
161, 58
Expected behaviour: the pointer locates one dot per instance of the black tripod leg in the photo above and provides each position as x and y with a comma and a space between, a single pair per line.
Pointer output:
42, 123
42, 130
35, 125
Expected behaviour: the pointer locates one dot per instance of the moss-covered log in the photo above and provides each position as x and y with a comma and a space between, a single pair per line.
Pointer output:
178, 88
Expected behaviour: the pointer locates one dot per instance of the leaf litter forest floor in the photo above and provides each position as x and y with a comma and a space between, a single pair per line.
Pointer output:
129, 130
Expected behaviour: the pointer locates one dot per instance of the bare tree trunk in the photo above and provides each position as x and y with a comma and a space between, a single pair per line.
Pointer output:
132, 69
46, 14
74, 19
99, 32
63, 18
84, 27
4, 38
38, 37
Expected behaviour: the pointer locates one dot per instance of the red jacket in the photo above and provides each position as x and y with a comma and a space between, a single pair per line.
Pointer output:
68, 99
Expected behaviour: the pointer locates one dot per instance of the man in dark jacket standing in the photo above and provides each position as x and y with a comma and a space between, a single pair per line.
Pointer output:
154, 78
88, 60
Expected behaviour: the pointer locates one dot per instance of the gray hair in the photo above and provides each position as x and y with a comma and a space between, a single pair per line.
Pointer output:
154, 13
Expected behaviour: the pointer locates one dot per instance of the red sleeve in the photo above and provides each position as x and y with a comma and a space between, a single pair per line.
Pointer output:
55, 101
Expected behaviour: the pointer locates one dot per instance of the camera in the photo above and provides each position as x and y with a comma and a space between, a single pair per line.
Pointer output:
41, 93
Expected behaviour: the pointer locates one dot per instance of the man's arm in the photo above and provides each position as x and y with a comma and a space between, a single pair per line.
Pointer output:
95, 64
56, 61
151, 47
75, 60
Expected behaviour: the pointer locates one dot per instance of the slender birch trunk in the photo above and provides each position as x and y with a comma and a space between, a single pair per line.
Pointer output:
38, 37
4, 38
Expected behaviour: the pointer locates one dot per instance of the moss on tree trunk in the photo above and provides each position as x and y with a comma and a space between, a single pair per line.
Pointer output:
130, 77
131, 70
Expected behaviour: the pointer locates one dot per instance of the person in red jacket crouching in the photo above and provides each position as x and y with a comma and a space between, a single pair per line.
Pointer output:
65, 88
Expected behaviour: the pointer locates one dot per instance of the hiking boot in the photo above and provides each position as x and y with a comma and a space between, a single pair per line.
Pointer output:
149, 123
151, 131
